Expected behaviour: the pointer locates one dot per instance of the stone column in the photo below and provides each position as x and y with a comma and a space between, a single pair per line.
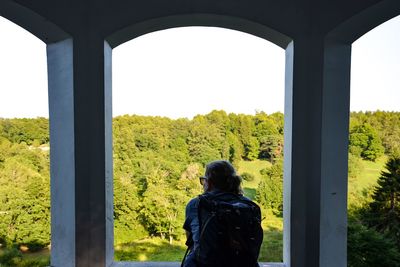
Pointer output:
316, 138
81, 126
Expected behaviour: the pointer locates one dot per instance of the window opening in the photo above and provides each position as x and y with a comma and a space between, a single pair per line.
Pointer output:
374, 139
181, 98
24, 149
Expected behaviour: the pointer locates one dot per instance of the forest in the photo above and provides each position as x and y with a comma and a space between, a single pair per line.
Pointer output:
157, 162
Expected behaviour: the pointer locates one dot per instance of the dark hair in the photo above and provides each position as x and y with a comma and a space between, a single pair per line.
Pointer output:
223, 176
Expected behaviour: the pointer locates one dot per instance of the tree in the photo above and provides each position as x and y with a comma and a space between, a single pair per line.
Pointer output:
205, 141
384, 210
235, 149
25, 198
243, 127
162, 207
189, 181
270, 190
251, 149
365, 142
369, 248
126, 204
271, 147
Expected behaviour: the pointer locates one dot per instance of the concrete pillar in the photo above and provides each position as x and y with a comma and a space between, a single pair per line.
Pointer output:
316, 134
81, 160
109, 155
62, 154
93, 169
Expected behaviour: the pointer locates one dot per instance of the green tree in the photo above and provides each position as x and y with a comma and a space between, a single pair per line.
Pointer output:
384, 210
25, 198
162, 207
252, 148
270, 190
243, 127
365, 142
369, 248
235, 149
271, 147
189, 181
126, 205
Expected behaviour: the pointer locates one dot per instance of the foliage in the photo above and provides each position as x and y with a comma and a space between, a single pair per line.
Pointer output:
157, 162
10, 257
14, 258
383, 213
355, 166
271, 147
162, 207
365, 142
270, 190
28, 131
369, 248
24, 197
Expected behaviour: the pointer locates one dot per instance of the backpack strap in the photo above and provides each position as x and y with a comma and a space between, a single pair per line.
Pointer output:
209, 204
184, 257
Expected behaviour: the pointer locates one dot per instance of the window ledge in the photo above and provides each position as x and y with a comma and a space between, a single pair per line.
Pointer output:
176, 264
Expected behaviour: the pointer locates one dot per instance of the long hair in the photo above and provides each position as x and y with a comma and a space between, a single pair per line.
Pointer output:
223, 176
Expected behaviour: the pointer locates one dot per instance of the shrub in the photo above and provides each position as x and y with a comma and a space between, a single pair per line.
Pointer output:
368, 248
247, 176
10, 257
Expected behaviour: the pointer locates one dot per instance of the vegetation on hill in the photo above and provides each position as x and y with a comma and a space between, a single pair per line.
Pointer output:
157, 162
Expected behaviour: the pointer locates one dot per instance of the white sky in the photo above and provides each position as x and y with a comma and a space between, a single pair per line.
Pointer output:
187, 71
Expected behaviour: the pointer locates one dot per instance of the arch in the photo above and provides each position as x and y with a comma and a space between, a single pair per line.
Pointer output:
363, 22
207, 20
39, 26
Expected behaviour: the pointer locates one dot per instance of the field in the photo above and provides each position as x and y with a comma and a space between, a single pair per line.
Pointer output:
369, 173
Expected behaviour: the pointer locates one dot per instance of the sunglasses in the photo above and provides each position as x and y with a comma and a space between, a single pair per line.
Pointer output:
202, 179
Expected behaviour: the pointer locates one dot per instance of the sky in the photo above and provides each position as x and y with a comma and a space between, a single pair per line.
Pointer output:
187, 71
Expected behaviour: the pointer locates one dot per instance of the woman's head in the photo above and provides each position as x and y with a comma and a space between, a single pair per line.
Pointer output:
221, 175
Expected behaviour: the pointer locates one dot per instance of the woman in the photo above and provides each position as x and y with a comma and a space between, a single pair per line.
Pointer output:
220, 184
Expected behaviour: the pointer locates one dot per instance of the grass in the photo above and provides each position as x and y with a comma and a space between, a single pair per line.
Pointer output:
369, 173
272, 247
150, 249
13, 257
252, 167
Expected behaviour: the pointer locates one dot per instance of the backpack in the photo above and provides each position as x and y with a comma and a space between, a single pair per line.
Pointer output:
230, 231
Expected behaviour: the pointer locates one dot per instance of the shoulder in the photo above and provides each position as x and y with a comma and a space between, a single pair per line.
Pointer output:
245, 198
193, 203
